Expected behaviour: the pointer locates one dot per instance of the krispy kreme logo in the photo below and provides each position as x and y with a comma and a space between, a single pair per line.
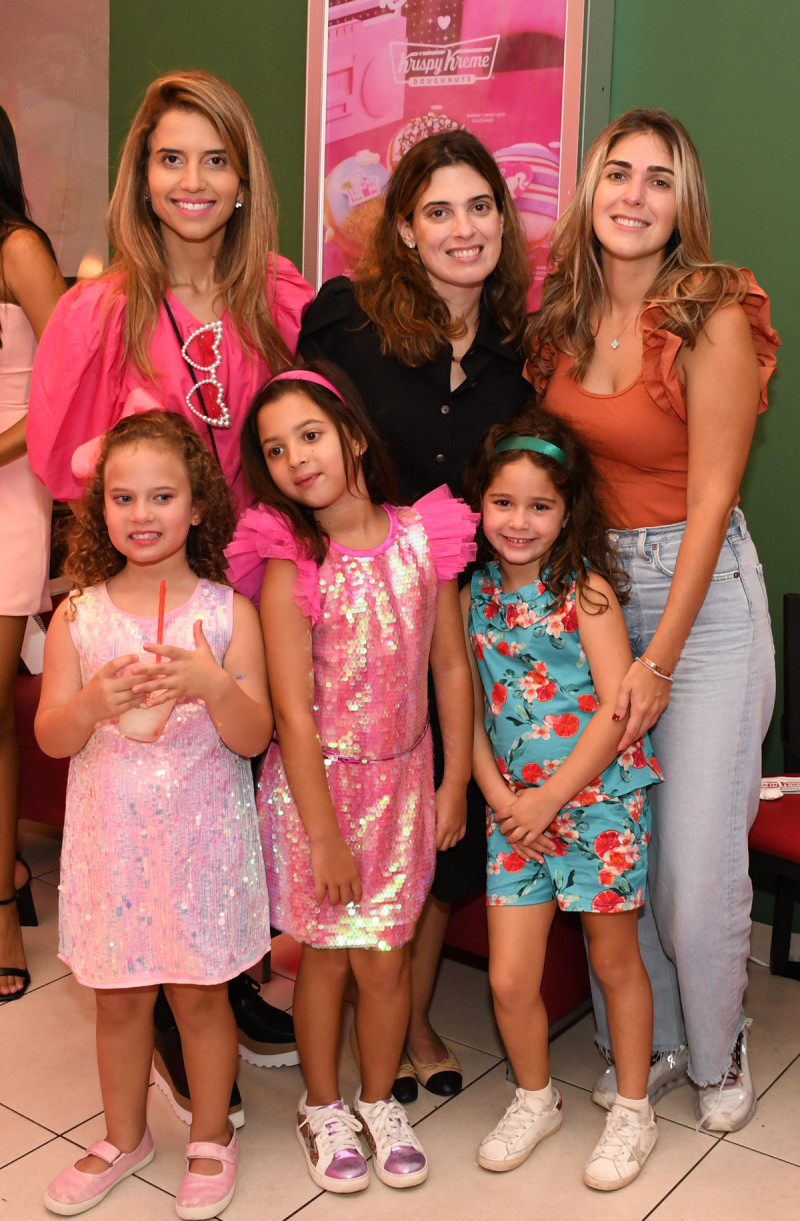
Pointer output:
460, 63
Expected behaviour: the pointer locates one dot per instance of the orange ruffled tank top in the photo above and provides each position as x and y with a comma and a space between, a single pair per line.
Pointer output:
638, 437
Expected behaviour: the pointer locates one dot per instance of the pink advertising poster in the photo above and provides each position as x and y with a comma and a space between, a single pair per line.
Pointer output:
391, 72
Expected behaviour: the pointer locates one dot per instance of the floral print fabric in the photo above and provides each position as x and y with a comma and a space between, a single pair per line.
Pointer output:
539, 698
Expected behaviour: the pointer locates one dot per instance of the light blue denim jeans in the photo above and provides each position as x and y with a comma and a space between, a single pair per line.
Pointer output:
694, 933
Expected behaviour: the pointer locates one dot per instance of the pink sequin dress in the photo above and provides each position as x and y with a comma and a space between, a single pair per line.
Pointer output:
372, 615
162, 874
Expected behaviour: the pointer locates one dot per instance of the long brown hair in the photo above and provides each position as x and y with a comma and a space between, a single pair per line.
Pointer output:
354, 429
582, 546
93, 558
689, 285
251, 234
392, 285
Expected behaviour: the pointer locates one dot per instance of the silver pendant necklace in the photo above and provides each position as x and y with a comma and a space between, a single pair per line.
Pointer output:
615, 341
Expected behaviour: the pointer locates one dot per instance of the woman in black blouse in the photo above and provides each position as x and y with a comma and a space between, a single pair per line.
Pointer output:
430, 333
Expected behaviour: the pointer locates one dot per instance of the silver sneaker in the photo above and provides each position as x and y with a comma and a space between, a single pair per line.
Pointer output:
519, 1132
667, 1071
627, 1141
398, 1157
731, 1103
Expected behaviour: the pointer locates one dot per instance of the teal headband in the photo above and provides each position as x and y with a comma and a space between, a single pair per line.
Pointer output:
533, 443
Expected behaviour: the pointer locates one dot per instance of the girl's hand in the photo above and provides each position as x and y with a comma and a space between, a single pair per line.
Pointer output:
526, 817
335, 871
536, 849
646, 695
451, 816
108, 693
191, 673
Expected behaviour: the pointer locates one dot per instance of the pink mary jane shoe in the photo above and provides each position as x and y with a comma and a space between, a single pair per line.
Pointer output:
74, 1191
201, 1196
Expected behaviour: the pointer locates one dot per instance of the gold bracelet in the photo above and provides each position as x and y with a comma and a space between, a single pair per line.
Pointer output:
653, 668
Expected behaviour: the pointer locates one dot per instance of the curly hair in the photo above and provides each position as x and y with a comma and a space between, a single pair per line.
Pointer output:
250, 242
354, 428
583, 545
689, 286
391, 284
92, 556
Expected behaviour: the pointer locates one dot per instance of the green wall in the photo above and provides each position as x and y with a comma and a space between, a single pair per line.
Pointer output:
257, 45
728, 70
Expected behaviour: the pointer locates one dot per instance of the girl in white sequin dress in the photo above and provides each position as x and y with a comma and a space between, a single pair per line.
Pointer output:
162, 876
356, 597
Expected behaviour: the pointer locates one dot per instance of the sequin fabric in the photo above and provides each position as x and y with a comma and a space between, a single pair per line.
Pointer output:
162, 876
370, 647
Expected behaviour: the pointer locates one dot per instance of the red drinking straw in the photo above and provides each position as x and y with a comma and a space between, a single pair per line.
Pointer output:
162, 597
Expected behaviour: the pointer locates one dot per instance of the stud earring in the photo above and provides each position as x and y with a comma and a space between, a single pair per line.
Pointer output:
238, 203
147, 199
411, 245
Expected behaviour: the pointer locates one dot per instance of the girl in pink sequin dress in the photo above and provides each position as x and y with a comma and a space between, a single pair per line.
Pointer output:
162, 876
357, 597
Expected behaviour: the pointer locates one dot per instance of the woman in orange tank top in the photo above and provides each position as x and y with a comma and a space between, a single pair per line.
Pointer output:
659, 357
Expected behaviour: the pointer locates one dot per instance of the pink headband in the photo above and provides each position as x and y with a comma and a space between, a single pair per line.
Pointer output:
306, 375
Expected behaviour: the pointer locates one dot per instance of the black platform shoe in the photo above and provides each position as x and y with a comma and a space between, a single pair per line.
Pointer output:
266, 1034
169, 1072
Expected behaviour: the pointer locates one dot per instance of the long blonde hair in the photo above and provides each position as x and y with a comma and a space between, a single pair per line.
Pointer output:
689, 285
251, 234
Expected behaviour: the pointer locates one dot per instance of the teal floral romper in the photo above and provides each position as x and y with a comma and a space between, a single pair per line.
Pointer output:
539, 698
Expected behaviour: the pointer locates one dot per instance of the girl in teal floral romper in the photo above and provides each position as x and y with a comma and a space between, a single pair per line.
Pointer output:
568, 817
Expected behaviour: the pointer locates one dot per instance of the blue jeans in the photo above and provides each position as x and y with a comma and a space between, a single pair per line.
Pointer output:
694, 933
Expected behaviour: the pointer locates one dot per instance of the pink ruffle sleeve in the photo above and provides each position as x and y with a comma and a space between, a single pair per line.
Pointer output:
261, 535
77, 375
660, 349
450, 526
288, 298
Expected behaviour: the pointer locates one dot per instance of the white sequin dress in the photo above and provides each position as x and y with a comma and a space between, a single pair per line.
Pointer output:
162, 876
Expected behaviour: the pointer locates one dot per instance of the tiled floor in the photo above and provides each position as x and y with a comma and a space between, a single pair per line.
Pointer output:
50, 1107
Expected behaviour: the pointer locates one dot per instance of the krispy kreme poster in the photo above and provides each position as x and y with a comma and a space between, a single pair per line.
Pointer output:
383, 74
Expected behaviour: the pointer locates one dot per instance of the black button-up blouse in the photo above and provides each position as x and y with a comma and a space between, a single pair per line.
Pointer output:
431, 431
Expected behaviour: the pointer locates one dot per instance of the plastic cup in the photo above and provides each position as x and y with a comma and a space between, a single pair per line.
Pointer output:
145, 723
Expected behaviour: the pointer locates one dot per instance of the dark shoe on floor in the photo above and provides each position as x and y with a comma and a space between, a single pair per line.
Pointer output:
169, 1072
266, 1034
441, 1077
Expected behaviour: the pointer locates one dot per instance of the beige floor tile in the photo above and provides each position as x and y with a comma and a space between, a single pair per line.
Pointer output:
51, 1032
23, 1183
19, 1136
735, 1184
462, 1007
775, 1128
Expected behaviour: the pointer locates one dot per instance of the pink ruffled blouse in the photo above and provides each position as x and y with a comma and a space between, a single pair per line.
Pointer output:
638, 437
81, 380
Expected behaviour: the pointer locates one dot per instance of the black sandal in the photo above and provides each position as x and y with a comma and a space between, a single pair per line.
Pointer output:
24, 896
21, 972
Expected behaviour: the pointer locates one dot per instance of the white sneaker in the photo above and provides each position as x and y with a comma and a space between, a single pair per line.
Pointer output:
729, 1105
622, 1150
333, 1153
519, 1132
667, 1071
400, 1160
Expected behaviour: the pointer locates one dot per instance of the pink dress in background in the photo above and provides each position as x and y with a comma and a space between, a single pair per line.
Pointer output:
25, 505
372, 617
81, 379
162, 875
